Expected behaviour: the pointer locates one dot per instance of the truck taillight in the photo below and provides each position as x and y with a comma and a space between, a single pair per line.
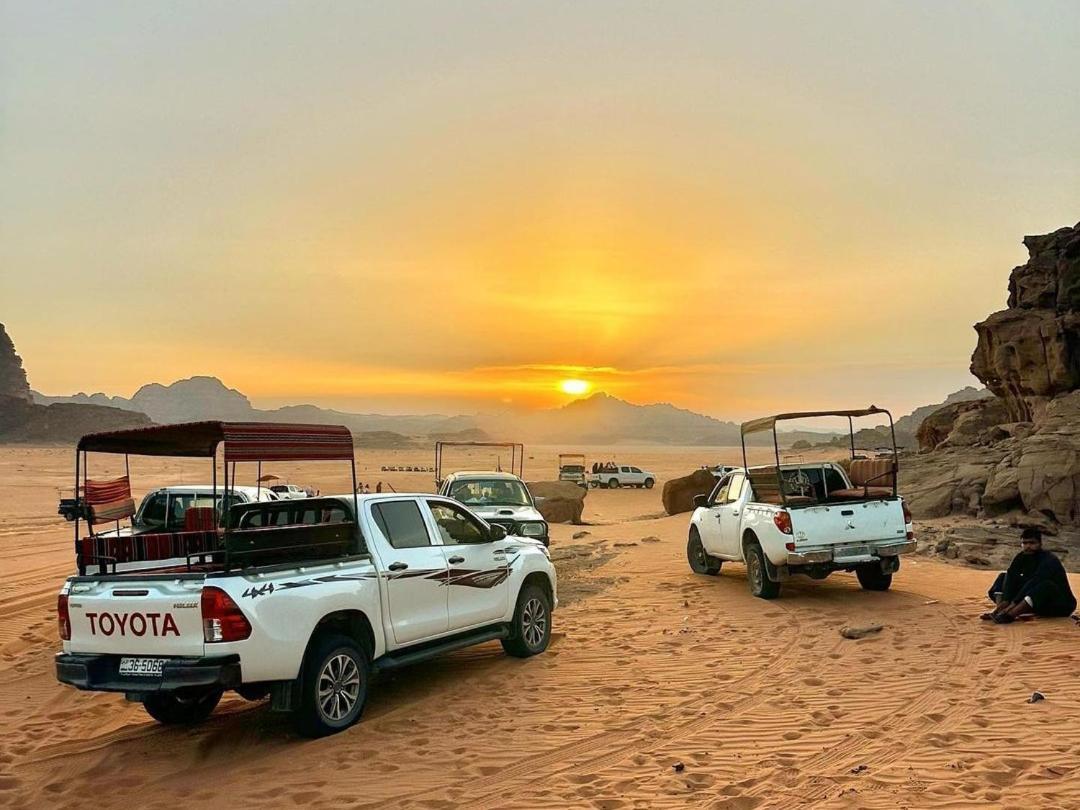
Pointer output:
782, 519
222, 619
63, 618
907, 512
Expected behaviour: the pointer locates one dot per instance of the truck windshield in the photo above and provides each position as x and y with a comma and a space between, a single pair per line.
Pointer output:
482, 492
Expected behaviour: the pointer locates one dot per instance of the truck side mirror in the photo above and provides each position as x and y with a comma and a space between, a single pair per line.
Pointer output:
701, 501
496, 532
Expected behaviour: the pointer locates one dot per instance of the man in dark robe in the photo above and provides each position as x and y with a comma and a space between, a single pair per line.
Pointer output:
1035, 583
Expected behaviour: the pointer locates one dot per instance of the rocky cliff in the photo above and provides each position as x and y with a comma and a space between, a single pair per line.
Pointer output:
1014, 459
23, 420
13, 381
1029, 352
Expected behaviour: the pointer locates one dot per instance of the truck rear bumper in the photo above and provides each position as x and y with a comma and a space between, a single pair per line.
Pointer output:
843, 555
100, 673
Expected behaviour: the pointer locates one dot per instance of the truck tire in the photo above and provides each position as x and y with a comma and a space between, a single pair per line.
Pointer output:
530, 629
182, 706
649, 483
757, 574
333, 685
872, 578
613, 483
701, 562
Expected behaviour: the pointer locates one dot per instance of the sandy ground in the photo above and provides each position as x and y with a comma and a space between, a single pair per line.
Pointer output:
763, 703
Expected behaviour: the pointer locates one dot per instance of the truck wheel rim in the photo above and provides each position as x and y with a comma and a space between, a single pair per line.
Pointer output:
698, 552
339, 687
533, 623
755, 573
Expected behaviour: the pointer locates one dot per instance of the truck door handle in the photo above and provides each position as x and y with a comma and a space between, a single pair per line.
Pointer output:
398, 566
456, 559
734, 511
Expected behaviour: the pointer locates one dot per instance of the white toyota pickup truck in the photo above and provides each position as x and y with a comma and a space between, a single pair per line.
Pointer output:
312, 600
810, 519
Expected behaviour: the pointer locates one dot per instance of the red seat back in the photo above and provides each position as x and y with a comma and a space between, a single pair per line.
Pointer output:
199, 518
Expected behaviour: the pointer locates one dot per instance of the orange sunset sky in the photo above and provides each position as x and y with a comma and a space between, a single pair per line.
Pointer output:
735, 207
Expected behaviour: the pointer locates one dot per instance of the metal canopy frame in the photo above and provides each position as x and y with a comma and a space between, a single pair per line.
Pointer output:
769, 423
517, 456
240, 442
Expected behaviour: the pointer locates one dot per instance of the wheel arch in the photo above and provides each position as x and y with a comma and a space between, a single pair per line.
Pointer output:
353, 624
749, 537
542, 581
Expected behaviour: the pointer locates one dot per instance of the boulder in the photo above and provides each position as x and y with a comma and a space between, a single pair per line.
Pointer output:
561, 510
559, 501
962, 424
678, 494
557, 489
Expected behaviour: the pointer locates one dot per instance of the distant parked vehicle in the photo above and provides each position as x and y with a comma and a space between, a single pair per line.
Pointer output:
287, 492
613, 476
572, 468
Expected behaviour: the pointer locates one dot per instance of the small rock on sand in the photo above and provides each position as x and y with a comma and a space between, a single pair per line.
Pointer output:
650, 539
678, 767
579, 535
623, 545
1036, 697
861, 632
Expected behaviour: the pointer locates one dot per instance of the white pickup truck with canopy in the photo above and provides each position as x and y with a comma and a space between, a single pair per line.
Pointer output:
808, 518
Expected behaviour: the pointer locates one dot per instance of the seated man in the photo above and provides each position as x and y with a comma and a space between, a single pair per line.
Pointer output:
1035, 583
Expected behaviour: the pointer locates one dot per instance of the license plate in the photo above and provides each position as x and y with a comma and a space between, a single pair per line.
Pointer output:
852, 551
142, 667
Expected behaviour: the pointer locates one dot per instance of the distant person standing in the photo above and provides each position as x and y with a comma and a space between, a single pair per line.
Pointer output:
1036, 583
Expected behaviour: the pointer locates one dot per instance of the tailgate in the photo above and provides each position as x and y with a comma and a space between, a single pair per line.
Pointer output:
855, 524
137, 617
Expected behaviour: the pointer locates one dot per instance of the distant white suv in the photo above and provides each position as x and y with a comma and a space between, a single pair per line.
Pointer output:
498, 497
289, 491
622, 476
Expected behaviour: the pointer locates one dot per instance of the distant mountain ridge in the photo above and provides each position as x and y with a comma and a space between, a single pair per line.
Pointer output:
600, 419
207, 398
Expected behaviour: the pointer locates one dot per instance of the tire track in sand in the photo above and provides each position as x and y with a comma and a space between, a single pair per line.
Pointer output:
879, 754
608, 748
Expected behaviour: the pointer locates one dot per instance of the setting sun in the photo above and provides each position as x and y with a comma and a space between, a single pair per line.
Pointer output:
574, 387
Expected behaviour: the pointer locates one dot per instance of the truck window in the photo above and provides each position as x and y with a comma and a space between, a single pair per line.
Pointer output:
401, 524
634, 470
735, 487
455, 526
624, 469
719, 494
154, 514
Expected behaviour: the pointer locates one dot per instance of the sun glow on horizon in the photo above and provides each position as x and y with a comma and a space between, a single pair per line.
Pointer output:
575, 387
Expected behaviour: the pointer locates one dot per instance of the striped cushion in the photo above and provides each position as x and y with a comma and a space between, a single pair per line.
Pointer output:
876, 472
114, 510
109, 500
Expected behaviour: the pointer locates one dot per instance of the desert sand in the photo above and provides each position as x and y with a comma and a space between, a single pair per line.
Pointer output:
764, 704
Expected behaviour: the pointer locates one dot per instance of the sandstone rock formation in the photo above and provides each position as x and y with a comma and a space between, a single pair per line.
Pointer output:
22, 420
559, 501
1014, 459
962, 423
1030, 352
678, 493
13, 381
